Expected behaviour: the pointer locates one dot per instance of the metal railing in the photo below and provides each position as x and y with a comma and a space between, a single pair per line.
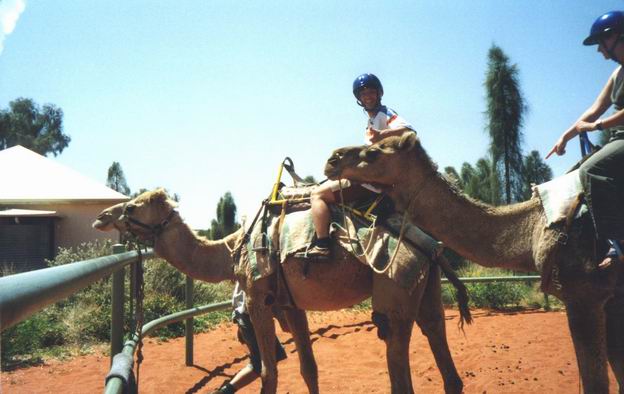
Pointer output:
22, 295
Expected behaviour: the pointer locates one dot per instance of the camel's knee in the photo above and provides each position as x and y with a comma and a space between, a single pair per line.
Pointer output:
433, 327
382, 323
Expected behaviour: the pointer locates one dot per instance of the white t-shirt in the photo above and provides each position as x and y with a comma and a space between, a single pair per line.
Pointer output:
386, 118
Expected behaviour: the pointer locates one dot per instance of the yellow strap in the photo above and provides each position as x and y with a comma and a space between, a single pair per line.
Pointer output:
277, 182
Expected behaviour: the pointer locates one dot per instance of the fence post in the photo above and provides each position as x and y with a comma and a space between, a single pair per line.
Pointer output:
117, 306
189, 321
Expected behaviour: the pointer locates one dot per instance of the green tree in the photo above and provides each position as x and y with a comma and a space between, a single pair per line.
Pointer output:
225, 223
116, 179
505, 113
310, 179
453, 177
535, 171
481, 181
39, 129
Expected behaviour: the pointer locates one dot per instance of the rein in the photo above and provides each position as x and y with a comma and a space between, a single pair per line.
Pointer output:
401, 232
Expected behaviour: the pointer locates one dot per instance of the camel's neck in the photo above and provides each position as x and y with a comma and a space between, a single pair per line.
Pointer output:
199, 258
489, 236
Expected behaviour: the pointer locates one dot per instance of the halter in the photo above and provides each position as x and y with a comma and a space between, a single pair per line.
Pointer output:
153, 231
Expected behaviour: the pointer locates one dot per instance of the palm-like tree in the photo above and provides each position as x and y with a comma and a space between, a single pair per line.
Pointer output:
535, 171
116, 179
505, 112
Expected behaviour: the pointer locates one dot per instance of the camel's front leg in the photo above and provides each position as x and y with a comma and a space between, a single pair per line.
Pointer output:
393, 314
298, 323
431, 321
587, 322
259, 308
615, 331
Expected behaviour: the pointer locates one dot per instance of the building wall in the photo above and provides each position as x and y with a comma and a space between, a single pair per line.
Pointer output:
74, 224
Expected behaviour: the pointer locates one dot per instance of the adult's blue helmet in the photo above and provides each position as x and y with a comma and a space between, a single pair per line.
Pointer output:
366, 81
611, 22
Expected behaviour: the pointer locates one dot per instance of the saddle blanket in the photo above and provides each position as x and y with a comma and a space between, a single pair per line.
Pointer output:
557, 196
373, 246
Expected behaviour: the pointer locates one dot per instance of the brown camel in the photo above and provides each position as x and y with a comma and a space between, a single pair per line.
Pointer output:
513, 237
331, 285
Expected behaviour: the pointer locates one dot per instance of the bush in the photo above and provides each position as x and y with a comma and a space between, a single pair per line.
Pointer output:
84, 318
495, 295
23, 343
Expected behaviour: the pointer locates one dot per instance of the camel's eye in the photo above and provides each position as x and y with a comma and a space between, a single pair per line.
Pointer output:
370, 154
129, 208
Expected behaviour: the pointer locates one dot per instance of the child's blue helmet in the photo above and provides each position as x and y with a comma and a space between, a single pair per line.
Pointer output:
366, 81
611, 22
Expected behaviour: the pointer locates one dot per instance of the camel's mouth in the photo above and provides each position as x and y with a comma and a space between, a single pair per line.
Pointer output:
332, 172
103, 222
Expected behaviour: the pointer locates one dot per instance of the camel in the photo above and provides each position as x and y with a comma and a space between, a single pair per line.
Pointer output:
331, 285
514, 237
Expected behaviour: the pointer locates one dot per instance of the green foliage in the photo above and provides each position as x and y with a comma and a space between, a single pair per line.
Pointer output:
39, 129
534, 172
225, 223
453, 177
310, 179
116, 179
23, 343
481, 181
505, 113
497, 295
83, 319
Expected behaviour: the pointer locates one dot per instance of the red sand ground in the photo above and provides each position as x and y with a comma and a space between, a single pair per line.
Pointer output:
528, 352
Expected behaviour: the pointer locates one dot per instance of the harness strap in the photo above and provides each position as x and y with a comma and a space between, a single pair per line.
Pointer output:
156, 229
245, 238
548, 270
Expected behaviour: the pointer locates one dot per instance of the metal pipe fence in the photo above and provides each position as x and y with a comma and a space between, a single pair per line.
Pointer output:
22, 295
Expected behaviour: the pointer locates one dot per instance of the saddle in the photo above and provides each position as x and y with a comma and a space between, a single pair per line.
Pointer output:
568, 215
368, 229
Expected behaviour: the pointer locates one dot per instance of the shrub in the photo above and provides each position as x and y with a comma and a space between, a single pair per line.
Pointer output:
84, 318
23, 343
495, 295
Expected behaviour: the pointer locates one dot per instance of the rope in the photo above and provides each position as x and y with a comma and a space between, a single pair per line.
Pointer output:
348, 231
370, 240
139, 295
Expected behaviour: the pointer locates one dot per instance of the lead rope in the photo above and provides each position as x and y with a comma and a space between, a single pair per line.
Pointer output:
139, 313
370, 240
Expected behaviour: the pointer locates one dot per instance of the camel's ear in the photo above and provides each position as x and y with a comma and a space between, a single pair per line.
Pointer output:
407, 141
370, 154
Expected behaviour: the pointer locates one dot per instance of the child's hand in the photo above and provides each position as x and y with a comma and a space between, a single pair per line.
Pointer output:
373, 134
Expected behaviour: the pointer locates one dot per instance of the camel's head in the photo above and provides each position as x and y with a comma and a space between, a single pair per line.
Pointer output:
144, 216
108, 219
383, 163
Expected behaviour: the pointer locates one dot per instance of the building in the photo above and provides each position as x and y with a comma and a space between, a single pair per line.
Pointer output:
45, 205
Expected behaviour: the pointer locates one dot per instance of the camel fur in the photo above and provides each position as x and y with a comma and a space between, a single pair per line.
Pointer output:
514, 237
335, 284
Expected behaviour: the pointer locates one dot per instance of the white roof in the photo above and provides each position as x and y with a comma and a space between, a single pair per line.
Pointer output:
28, 177
26, 213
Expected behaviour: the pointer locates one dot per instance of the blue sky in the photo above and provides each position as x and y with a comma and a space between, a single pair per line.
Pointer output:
204, 97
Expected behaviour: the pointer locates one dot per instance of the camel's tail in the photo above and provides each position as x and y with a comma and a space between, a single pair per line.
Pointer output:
462, 293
